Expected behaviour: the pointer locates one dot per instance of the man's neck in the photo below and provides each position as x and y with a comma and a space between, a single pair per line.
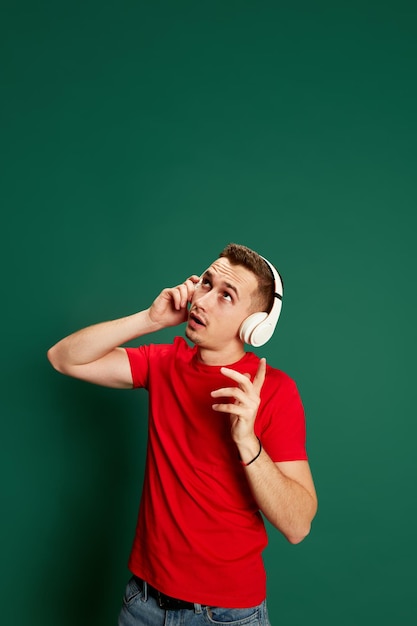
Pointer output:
222, 357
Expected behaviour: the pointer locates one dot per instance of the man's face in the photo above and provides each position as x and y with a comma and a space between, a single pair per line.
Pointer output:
220, 304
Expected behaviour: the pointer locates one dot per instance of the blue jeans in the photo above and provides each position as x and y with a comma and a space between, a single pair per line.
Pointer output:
139, 609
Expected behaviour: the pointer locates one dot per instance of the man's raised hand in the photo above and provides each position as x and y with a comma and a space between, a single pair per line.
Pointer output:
246, 399
170, 308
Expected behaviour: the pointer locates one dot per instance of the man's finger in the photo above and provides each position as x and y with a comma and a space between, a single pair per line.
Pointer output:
242, 379
259, 379
229, 392
231, 409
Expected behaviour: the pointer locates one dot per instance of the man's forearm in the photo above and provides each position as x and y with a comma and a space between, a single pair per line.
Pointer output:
287, 504
94, 342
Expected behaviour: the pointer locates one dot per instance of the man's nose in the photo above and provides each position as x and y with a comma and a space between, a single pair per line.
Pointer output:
203, 300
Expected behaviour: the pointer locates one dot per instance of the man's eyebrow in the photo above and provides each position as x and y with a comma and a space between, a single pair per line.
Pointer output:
209, 274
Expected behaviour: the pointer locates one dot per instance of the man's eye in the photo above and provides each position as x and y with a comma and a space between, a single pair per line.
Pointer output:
205, 281
227, 296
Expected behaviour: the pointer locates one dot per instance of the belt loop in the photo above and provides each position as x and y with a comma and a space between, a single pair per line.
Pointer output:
145, 590
197, 608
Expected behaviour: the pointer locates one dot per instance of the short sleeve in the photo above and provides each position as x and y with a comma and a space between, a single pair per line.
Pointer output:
284, 429
139, 365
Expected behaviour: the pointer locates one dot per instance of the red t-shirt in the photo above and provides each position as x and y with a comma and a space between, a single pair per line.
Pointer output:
200, 534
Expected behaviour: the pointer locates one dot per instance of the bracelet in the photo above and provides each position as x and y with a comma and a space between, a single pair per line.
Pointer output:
255, 457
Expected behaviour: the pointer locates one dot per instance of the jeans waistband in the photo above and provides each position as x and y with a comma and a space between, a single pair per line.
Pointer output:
168, 603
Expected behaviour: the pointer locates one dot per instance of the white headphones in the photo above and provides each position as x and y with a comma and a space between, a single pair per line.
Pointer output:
258, 328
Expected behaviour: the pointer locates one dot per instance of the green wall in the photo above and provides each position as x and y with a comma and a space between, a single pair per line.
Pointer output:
138, 138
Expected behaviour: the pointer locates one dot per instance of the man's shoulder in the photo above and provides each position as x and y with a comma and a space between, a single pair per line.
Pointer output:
278, 379
182, 348
275, 378
178, 348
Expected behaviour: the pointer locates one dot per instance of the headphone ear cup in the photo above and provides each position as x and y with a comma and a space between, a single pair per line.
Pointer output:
249, 325
264, 331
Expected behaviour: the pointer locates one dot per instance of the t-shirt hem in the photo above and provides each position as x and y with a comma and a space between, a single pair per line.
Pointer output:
219, 600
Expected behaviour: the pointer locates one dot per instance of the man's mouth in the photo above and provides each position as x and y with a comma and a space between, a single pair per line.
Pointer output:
197, 319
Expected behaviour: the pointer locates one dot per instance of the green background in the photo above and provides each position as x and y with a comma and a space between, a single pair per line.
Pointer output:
138, 138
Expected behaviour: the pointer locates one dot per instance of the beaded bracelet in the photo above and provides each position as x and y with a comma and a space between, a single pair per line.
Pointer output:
255, 457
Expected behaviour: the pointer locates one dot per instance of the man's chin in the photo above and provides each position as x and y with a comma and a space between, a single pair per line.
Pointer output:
192, 336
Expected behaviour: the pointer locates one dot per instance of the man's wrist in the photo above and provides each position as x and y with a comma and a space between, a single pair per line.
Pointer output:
153, 325
250, 450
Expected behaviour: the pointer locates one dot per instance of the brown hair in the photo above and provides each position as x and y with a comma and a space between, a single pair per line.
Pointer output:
241, 255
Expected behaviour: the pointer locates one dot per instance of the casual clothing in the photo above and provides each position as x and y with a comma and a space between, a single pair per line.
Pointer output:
141, 608
200, 534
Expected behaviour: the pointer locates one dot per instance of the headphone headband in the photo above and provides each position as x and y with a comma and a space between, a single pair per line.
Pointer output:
278, 284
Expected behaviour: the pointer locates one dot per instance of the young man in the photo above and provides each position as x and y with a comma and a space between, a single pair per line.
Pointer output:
226, 441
